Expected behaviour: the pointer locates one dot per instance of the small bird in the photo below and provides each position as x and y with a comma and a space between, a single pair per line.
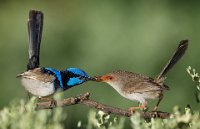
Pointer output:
44, 82
141, 88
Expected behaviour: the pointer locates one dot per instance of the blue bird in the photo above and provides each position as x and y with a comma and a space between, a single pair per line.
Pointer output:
43, 82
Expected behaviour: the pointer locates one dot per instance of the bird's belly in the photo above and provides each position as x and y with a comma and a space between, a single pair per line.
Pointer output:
141, 97
132, 96
38, 88
136, 96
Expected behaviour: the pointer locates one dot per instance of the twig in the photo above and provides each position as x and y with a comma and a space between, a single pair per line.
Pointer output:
85, 100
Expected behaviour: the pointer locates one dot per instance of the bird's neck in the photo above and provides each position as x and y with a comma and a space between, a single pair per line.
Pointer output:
116, 86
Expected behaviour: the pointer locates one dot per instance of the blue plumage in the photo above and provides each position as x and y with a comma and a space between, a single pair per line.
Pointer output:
57, 74
74, 81
68, 78
46, 81
78, 72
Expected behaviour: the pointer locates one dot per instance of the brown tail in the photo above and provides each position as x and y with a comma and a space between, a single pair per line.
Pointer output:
182, 47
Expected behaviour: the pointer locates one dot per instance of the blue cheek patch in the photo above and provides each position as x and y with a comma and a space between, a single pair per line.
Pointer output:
74, 81
57, 74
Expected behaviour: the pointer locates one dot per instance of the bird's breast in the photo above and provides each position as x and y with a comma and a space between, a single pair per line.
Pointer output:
37, 87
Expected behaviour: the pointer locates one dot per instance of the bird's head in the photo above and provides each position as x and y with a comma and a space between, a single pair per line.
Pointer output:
115, 78
111, 77
105, 78
77, 76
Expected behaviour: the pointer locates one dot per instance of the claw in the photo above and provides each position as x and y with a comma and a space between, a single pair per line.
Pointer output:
155, 109
141, 107
132, 109
155, 114
53, 103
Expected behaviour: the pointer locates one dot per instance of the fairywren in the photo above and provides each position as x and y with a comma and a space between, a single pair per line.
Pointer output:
43, 82
141, 88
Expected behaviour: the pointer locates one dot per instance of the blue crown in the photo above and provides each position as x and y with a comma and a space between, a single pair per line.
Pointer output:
78, 72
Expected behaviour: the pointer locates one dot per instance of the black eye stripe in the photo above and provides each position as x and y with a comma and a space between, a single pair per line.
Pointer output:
70, 74
82, 78
43, 70
66, 75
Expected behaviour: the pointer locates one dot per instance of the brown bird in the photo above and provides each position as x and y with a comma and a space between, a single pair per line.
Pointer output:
141, 88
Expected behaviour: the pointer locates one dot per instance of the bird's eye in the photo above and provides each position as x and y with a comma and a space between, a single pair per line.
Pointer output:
107, 78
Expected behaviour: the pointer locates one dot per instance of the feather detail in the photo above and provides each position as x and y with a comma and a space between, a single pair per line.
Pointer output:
36, 74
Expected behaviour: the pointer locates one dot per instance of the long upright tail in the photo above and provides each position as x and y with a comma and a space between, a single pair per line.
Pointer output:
35, 25
182, 47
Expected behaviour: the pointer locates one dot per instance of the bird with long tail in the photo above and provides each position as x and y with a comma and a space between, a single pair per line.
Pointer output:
44, 82
141, 88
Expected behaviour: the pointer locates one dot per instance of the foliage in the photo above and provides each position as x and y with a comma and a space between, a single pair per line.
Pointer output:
102, 120
24, 116
196, 78
179, 121
19, 116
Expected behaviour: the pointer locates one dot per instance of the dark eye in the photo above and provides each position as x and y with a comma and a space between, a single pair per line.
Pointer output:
110, 78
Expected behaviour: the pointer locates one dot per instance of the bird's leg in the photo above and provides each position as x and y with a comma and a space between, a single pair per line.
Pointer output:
29, 95
53, 103
156, 107
142, 106
41, 99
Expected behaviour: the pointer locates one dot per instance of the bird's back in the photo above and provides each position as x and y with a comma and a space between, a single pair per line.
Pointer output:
135, 86
137, 83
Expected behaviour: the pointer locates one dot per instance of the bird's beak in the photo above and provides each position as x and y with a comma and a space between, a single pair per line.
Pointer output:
90, 79
98, 79
19, 75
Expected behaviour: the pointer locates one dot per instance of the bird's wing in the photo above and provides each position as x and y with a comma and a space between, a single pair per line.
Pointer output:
142, 86
138, 83
36, 74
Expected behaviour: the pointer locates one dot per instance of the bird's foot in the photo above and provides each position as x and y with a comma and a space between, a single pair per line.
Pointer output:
141, 107
53, 103
155, 114
132, 109
155, 109
44, 99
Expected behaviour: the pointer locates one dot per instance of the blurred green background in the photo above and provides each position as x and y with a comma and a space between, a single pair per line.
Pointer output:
101, 36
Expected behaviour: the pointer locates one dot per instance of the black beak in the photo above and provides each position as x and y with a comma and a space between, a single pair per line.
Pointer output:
90, 79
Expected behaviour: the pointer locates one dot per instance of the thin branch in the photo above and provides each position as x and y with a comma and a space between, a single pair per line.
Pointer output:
85, 100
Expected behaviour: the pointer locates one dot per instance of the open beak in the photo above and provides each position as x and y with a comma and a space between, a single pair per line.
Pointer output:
98, 79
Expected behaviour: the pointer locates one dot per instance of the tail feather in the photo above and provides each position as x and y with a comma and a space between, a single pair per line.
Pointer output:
182, 47
35, 25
